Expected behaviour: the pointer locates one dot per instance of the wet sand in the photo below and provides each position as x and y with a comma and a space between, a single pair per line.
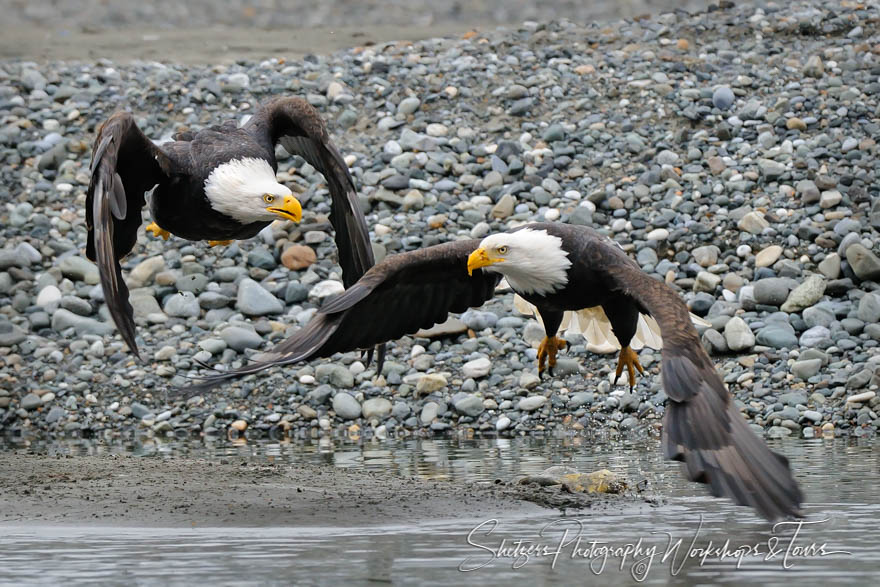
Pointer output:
184, 492
215, 45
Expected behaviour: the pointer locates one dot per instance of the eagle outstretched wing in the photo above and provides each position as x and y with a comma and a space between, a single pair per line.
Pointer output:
702, 427
299, 128
399, 296
125, 165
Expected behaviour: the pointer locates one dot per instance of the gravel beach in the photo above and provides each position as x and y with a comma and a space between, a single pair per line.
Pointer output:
732, 151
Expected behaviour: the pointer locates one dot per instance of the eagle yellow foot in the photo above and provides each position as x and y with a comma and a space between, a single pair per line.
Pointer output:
218, 243
547, 353
157, 231
629, 359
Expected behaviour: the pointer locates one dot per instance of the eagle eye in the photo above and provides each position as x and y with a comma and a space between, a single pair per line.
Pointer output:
268, 198
502, 250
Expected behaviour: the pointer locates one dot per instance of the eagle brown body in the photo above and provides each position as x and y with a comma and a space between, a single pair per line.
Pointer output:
407, 292
126, 165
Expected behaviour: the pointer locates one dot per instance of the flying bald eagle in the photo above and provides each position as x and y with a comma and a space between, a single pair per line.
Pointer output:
559, 267
217, 184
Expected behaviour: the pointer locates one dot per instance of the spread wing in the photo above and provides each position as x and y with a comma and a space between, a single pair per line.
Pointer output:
399, 296
125, 165
702, 426
299, 128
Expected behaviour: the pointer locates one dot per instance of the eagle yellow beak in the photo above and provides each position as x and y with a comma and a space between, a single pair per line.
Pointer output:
480, 258
290, 209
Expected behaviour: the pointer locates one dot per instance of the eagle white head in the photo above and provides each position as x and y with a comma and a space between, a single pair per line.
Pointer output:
248, 191
533, 261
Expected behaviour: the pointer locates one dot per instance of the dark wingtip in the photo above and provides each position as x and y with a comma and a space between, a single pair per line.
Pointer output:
717, 447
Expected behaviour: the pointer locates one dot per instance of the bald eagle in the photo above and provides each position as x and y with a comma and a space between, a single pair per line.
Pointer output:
217, 184
558, 268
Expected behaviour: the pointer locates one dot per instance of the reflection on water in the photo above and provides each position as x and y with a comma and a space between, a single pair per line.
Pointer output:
838, 478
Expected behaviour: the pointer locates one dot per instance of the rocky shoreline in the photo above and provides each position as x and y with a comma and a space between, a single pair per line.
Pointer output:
732, 152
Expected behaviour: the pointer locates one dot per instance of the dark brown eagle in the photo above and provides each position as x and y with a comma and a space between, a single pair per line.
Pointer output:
558, 268
217, 184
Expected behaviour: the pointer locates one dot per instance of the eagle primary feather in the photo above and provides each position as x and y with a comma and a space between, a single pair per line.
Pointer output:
702, 427
234, 165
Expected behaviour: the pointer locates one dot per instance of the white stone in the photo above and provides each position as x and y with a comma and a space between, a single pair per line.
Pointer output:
476, 368
768, 256
48, 295
861, 397
531, 403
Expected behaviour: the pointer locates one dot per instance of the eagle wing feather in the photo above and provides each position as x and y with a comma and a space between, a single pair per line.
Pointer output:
125, 165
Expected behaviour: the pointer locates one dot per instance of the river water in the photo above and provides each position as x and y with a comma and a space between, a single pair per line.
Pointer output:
685, 538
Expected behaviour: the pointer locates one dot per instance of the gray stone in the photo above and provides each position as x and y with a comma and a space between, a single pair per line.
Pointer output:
55, 414
478, 319
804, 295
793, 398
11, 334
504, 207
76, 305
706, 281
194, 283
212, 300
144, 272
777, 335
30, 402
428, 413
814, 67
865, 264
476, 368
815, 335
254, 300
239, 338
346, 406
79, 269
144, 304
471, 405
707, 255
818, 315
182, 305
859, 380
771, 291
215, 346
377, 407
806, 368
807, 190
869, 308
325, 289
738, 335
408, 105
335, 375
722, 97
753, 222
531, 403
63, 319
580, 398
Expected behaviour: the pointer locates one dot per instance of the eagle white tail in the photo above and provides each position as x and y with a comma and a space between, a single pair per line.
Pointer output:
594, 326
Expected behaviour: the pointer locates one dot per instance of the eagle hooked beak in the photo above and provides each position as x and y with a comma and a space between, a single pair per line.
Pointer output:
480, 258
290, 209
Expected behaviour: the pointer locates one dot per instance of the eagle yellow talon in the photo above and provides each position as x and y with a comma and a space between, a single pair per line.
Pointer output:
219, 243
547, 353
629, 359
157, 231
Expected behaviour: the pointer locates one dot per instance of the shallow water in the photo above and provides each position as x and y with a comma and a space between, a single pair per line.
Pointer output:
837, 542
